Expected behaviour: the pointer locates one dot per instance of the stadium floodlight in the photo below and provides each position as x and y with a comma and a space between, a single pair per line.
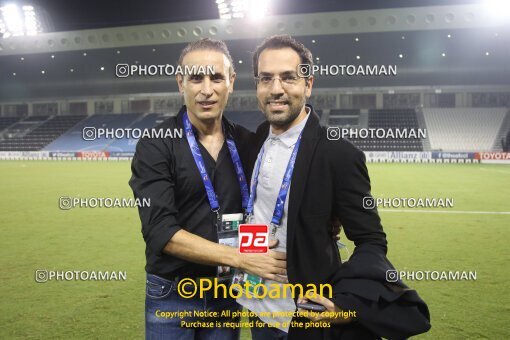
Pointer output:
259, 9
234, 9
499, 10
23, 20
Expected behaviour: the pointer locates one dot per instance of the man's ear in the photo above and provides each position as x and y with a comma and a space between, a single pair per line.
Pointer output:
309, 85
232, 80
180, 80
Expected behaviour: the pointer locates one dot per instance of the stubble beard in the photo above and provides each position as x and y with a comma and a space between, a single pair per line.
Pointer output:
282, 119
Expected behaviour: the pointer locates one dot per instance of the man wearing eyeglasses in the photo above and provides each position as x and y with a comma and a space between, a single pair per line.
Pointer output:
300, 182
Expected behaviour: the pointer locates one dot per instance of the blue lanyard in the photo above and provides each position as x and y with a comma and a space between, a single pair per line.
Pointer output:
199, 161
284, 189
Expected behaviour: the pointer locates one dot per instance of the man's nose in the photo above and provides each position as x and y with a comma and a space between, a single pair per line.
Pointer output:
206, 87
276, 86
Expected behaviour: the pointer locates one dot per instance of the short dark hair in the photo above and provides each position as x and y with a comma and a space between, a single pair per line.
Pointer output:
207, 44
277, 42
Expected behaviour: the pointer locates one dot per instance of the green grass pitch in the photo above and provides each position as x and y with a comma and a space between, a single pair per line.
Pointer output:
35, 235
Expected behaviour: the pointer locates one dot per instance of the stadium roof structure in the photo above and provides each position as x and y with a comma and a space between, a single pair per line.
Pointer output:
447, 44
90, 14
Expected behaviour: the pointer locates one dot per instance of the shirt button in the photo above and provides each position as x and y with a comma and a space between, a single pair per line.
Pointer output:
273, 142
269, 160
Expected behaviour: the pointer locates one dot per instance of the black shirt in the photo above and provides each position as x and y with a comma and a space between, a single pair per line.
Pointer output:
164, 171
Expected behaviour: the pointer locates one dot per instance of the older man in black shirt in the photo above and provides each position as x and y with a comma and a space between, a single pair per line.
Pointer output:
192, 182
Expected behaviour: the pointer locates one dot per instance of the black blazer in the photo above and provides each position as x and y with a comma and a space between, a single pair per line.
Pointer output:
330, 180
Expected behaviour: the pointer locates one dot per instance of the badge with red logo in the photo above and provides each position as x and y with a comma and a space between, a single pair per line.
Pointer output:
253, 238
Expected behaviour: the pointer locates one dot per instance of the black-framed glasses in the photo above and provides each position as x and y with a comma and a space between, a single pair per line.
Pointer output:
286, 79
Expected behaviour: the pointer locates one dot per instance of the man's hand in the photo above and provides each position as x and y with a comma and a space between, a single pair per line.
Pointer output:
193, 248
271, 266
330, 307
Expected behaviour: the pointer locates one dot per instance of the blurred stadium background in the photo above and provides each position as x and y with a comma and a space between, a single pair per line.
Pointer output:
57, 71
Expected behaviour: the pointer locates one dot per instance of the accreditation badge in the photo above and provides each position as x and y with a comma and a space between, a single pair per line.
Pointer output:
228, 235
254, 239
253, 283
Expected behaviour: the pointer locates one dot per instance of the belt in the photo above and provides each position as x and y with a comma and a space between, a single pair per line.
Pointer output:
177, 278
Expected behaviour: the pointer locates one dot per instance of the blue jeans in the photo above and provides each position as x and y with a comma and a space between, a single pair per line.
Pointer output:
266, 332
162, 297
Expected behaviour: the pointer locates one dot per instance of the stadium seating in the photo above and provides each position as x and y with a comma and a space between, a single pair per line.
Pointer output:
73, 140
129, 144
33, 133
20, 129
381, 119
463, 129
249, 119
5, 122
344, 112
448, 129
344, 117
343, 121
